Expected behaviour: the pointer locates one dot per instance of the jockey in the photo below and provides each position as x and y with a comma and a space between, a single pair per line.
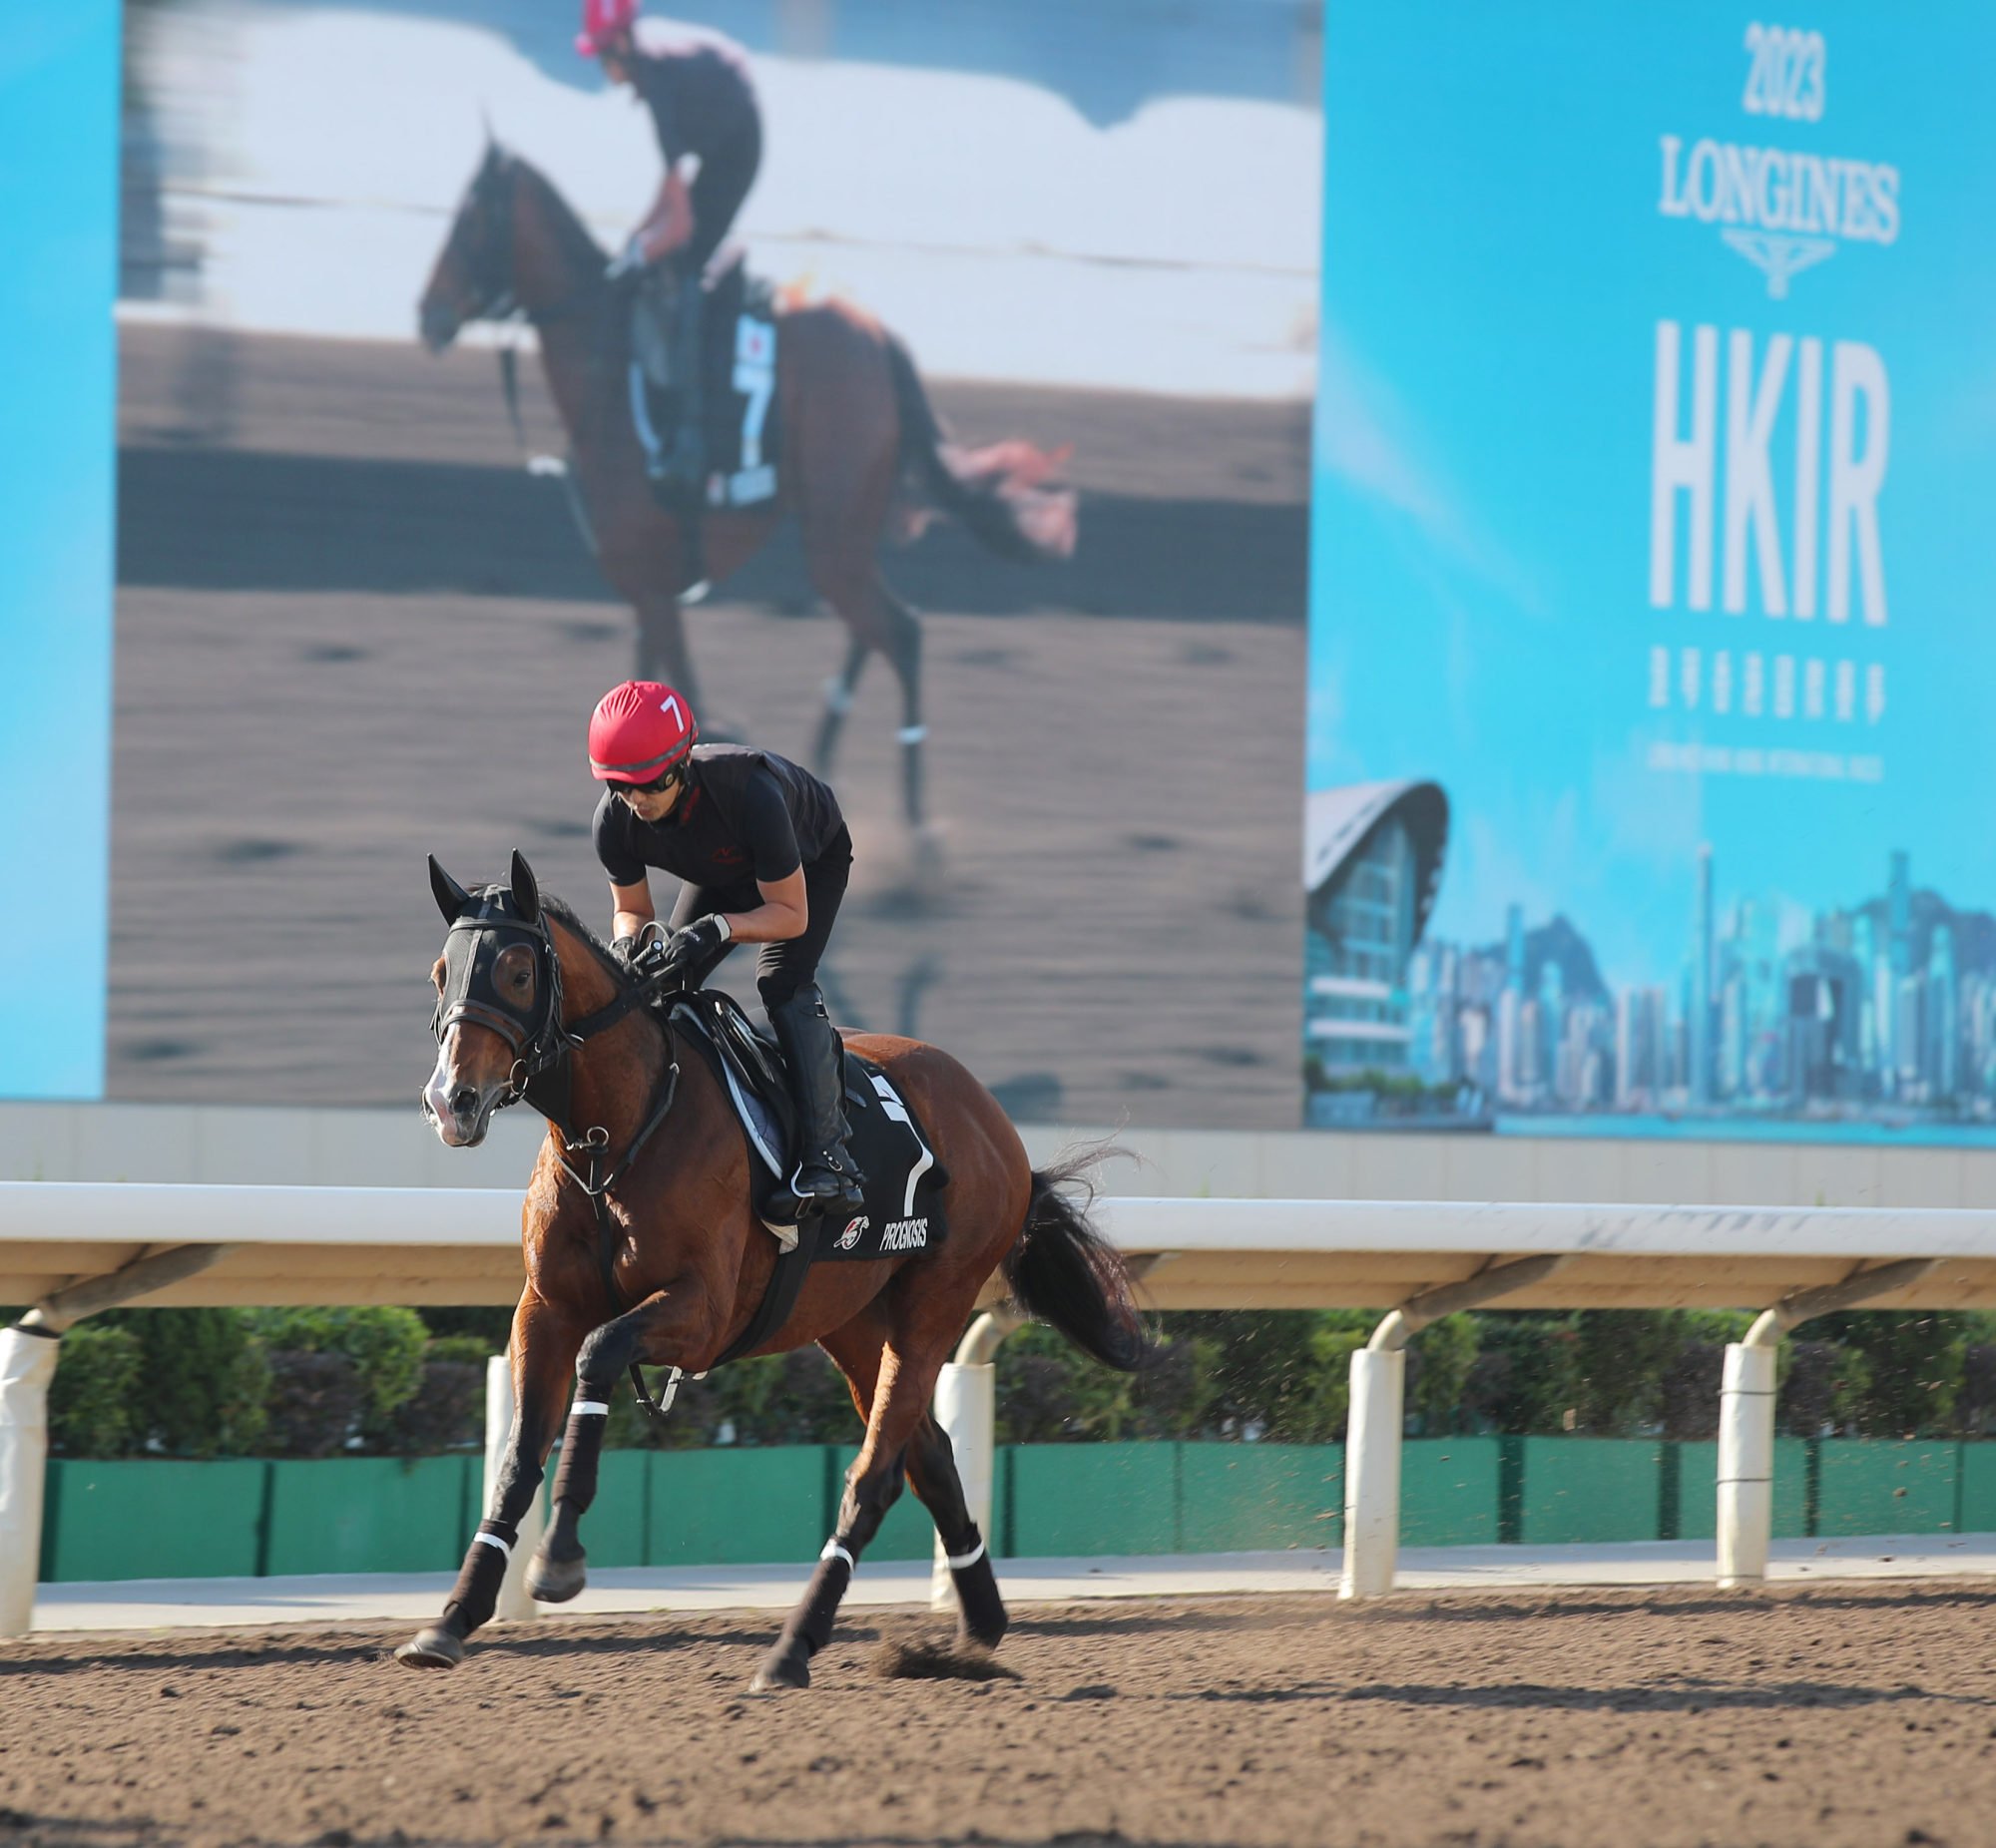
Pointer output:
763, 855
704, 108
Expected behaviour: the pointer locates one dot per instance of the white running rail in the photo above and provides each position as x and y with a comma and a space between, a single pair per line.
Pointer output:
72, 1248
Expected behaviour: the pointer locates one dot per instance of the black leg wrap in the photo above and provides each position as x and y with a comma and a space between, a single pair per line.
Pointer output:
581, 1452
810, 1623
476, 1595
808, 1628
984, 1618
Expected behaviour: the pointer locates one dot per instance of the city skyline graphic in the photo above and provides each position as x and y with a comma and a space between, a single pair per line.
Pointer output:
1884, 1011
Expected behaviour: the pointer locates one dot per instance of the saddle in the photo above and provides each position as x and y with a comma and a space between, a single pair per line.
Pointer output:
904, 1181
740, 434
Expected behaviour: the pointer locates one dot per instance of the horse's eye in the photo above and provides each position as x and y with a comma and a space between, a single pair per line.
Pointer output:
514, 972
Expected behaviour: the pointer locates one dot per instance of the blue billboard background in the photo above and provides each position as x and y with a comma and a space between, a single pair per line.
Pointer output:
59, 84
1656, 447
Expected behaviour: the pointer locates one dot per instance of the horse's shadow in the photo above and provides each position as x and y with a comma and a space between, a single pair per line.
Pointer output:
1692, 1696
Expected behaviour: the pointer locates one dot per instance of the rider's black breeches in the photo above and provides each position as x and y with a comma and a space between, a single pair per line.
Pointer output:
726, 171
781, 968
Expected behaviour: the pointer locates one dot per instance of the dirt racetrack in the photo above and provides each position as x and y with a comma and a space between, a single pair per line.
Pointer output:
1853, 1714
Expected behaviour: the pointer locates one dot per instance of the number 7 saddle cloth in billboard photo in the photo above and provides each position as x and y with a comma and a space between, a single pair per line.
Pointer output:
741, 424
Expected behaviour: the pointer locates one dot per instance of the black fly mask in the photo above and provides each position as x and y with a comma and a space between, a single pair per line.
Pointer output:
500, 971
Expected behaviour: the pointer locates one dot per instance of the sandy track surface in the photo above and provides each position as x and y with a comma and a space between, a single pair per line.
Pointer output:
353, 631
1848, 1716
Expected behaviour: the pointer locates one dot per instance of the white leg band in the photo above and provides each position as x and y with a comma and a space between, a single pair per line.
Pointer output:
957, 1561
492, 1540
912, 734
837, 697
833, 1551
589, 1408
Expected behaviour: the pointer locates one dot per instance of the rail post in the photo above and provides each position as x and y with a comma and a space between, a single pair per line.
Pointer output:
499, 1414
1378, 1418
27, 1365
1372, 1471
967, 1407
1747, 1413
28, 1352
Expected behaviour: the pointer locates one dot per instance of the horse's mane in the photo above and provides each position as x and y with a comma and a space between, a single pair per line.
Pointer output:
576, 245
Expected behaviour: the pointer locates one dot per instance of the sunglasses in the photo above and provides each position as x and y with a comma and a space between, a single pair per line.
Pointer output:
657, 786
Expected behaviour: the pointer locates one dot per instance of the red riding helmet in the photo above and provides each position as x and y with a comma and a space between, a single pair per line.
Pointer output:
638, 732
602, 20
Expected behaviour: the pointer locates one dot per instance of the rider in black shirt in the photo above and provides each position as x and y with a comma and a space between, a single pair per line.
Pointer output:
763, 855
704, 110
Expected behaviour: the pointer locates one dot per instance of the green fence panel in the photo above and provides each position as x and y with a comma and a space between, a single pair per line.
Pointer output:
1697, 1490
1978, 1488
906, 1534
1071, 1500
150, 1518
1448, 1492
1590, 1489
737, 1506
1792, 1492
1871, 1487
613, 1531
1236, 1498
368, 1513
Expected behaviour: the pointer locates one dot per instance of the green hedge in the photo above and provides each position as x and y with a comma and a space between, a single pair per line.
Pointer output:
171, 1519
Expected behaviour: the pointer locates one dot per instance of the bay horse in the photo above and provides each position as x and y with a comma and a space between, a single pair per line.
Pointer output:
856, 426
657, 1256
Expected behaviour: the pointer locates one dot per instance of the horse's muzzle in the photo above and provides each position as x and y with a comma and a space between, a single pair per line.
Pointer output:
460, 1113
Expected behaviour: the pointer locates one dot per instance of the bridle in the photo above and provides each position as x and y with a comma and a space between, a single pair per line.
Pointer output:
488, 265
485, 252
476, 940
540, 1043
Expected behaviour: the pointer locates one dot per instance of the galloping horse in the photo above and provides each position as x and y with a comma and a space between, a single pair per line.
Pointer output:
658, 1257
855, 424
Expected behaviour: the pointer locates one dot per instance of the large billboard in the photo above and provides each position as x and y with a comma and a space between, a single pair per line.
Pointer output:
355, 627
1650, 643
59, 203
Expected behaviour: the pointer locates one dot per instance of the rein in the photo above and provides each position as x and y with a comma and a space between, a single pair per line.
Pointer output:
539, 463
493, 277
593, 1144
541, 1072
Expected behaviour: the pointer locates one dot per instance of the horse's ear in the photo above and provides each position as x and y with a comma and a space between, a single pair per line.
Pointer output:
452, 899
495, 150
526, 893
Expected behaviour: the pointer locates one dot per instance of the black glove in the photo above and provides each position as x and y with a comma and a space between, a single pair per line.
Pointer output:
691, 947
640, 955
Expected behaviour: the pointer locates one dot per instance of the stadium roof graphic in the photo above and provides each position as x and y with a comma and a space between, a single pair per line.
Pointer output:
1337, 823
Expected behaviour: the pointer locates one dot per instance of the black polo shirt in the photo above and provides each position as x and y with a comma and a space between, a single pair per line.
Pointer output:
750, 817
698, 90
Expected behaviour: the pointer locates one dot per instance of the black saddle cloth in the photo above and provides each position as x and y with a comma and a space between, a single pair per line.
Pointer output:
742, 425
903, 1178
743, 417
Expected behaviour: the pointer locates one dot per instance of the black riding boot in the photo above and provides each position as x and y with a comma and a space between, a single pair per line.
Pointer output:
683, 476
827, 1178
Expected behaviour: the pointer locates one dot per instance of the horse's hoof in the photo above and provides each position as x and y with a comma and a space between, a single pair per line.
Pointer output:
781, 1670
432, 1648
988, 1638
555, 1581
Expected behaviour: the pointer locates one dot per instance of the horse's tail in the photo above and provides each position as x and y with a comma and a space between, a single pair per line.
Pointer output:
1064, 1273
1000, 491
